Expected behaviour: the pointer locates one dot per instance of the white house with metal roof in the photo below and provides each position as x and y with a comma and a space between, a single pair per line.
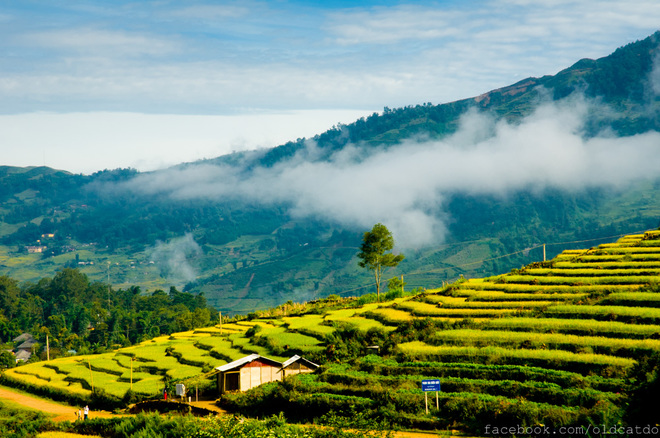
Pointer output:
248, 372
254, 370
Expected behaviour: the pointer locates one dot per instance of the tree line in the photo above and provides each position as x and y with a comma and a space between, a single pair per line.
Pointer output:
76, 314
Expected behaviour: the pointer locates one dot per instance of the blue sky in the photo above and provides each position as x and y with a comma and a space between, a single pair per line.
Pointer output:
91, 85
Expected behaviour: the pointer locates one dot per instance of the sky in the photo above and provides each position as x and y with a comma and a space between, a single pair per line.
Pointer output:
87, 86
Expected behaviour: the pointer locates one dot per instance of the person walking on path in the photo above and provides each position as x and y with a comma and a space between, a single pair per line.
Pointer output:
86, 412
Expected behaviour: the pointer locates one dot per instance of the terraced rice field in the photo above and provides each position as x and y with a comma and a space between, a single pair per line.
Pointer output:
556, 338
552, 338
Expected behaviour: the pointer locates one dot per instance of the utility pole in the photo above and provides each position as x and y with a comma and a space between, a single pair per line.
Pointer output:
108, 286
544, 252
220, 317
401, 284
47, 348
91, 378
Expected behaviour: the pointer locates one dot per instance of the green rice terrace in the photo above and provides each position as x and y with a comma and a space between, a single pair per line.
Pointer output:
566, 342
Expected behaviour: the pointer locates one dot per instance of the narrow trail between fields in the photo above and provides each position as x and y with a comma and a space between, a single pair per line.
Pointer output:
62, 412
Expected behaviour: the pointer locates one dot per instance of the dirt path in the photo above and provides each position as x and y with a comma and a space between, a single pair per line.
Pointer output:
64, 412
61, 412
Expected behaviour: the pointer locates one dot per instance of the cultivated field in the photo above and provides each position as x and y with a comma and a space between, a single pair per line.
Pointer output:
554, 341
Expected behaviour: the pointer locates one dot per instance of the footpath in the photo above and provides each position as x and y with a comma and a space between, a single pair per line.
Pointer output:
62, 412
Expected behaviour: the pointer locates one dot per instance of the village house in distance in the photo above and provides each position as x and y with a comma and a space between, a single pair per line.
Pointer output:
254, 370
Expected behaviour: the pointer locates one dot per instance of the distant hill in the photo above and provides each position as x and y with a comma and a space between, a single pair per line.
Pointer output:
246, 253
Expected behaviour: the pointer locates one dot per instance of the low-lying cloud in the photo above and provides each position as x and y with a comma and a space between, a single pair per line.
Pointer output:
406, 186
175, 259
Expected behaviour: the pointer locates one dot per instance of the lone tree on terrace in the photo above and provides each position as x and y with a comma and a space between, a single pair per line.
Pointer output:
374, 255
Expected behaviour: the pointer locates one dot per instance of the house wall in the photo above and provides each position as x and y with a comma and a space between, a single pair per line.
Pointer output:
296, 368
255, 374
252, 374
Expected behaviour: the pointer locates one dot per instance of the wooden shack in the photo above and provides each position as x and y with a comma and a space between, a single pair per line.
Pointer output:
298, 365
248, 372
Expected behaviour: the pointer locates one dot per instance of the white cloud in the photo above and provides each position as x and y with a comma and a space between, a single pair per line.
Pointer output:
101, 42
391, 25
406, 186
209, 12
175, 258
235, 58
210, 58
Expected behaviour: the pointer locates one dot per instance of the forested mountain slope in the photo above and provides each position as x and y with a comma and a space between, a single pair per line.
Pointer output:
231, 228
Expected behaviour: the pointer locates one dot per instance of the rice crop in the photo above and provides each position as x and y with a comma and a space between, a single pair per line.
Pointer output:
188, 353
363, 323
295, 341
314, 323
621, 264
626, 250
630, 256
592, 272
235, 328
538, 296
577, 281
516, 304
543, 340
587, 326
419, 348
554, 288
645, 299
611, 312
426, 309
390, 315
445, 300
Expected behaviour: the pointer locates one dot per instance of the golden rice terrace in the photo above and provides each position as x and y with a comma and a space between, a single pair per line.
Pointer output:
554, 343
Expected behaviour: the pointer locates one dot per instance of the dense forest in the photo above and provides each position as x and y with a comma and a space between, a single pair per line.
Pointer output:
85, 316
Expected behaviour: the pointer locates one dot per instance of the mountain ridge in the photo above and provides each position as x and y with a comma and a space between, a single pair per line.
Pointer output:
254, 254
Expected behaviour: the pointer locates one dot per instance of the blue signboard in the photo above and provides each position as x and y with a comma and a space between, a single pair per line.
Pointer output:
430, 385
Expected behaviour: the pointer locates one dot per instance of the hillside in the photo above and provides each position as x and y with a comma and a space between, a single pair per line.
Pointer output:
569, 342
230, 228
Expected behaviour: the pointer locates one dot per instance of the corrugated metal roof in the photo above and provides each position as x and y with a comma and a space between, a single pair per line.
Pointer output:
245, 360
297, 358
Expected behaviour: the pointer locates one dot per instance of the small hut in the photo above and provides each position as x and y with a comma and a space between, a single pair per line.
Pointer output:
24, 350
248, 372
298, 365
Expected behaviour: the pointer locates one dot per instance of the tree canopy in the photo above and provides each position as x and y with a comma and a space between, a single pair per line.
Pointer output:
374, 253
